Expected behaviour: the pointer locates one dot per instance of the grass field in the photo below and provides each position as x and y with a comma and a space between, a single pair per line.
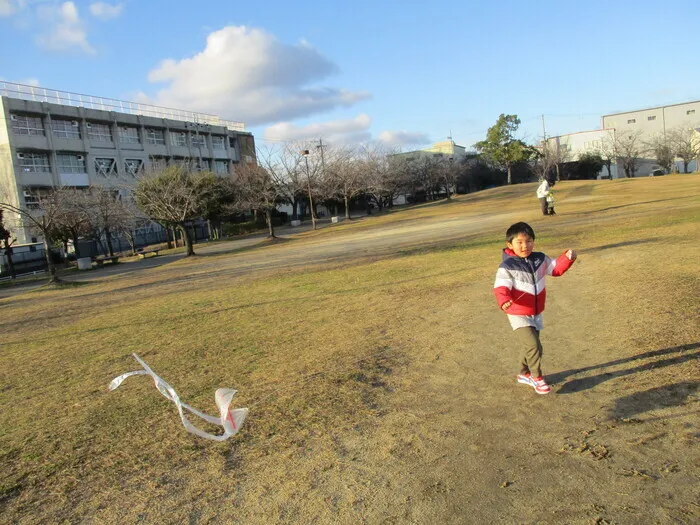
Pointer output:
379, 374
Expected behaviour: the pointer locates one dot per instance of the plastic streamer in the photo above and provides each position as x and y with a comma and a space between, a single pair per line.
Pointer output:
230, 420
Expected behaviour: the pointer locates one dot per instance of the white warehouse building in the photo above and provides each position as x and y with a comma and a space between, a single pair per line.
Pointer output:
649, 123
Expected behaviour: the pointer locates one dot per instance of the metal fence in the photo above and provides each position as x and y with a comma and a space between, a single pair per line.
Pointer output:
39, 94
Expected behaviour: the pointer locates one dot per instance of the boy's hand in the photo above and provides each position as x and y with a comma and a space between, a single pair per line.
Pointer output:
571, 255
506, 305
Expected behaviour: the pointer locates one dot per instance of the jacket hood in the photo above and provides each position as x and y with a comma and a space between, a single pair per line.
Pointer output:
508, 253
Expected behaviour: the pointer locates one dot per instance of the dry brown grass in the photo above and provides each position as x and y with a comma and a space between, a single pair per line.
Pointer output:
378, 372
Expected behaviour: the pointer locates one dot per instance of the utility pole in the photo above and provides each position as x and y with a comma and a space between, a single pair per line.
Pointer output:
305, 153
545, 147
320, 146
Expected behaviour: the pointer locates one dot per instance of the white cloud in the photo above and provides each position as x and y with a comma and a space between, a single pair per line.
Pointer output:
105, 11
7, 7
246, 74
66, 30
353, 130
403, 138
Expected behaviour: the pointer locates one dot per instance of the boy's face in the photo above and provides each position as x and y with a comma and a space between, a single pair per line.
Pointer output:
522, 245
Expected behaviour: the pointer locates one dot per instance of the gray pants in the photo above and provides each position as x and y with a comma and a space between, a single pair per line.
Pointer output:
531, 350
545, 205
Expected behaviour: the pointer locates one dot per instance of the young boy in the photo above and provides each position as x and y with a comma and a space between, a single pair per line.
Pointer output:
550, 203
521, 294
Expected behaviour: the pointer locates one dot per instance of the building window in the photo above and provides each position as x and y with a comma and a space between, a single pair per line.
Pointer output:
155, 136
632, 121
232, 142
218, 142
157, 163
128, 135
178, 138
65, 129
201, 165
99, 132
133, 166
26, 125
34, 196
690, 112
221, 167
70, 163
197, 141
34, 162
105, 167
652, 117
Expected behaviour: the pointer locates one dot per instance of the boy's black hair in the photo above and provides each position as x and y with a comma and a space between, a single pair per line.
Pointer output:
518, 228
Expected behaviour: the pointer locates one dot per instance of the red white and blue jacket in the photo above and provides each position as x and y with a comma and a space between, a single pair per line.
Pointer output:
521, 280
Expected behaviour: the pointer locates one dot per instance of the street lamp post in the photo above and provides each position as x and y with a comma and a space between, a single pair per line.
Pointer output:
308, 183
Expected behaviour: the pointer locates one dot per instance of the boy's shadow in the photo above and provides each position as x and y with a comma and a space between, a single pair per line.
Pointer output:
660, 397
576, 385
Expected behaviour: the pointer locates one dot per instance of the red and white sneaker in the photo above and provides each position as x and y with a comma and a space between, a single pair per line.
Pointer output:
526, 379
540, 386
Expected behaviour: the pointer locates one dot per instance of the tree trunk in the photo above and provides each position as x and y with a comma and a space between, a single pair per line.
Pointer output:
510, 180
558, 174
53, 278
108, 236
347, 206
8, 256
268, 219
131, 239
174, 233
168, 240
188, 240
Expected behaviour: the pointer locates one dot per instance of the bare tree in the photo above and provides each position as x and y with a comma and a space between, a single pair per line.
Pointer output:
345, 179
174, 196
7, 241
72, 220
629, 148
382, 182
545, 159
285, 165
255, 188
685, 144
660, 147
40, 216
608, 152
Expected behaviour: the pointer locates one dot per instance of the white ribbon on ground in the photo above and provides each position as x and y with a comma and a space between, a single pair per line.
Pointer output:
230, 420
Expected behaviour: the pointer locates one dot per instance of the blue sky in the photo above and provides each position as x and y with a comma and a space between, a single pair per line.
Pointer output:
404, 73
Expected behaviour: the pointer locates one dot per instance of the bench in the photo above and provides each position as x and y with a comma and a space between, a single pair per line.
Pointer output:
143, 253
101, 260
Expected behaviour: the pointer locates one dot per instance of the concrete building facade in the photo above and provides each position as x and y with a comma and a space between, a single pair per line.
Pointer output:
649, 123
51, 139
655, 121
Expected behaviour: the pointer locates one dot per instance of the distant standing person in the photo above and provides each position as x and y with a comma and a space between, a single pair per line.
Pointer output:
542, 192
550, 200
520, 291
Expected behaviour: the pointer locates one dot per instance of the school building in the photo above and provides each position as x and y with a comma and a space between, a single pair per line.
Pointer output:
52, 138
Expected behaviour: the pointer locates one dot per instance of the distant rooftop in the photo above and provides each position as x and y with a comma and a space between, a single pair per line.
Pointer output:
651, 108
40, 94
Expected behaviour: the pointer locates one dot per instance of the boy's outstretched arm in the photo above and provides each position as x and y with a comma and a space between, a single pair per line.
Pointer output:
562, 263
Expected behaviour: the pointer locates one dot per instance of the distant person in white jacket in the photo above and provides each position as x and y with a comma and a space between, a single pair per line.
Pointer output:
542, 192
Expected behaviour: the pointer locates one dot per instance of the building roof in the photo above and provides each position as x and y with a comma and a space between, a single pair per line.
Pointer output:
651, 108
65, 98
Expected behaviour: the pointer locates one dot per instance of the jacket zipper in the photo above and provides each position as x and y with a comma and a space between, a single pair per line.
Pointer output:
534, 281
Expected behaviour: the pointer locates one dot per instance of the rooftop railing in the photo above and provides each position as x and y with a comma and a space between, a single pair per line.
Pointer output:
40, 94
